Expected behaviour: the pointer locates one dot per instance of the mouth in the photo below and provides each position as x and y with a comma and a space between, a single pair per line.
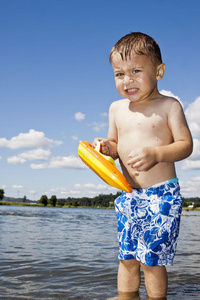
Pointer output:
131, 91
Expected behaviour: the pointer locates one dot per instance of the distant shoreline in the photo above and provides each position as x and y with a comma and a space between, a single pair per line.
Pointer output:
71, 206
41, 205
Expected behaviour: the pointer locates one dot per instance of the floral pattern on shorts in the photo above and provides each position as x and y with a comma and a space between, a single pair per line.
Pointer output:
148, 224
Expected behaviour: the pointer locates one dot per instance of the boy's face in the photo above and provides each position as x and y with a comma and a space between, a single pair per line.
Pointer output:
136, 78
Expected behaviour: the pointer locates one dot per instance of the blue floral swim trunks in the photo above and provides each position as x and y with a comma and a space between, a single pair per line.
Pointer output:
148, 223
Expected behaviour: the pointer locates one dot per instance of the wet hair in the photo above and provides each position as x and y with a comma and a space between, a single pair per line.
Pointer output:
139, 43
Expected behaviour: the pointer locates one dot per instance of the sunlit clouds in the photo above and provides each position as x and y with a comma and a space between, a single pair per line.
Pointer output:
193, 116
68, 162
79, 116
29, 139
38, 151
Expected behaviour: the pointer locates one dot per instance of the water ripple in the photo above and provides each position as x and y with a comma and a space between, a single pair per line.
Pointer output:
59, 253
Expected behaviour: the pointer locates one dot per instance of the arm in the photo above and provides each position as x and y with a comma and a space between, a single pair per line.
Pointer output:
109, 145
112, 131
182, 145
144, 158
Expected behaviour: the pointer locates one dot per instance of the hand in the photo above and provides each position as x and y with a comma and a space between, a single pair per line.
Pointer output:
105, 146
142, 159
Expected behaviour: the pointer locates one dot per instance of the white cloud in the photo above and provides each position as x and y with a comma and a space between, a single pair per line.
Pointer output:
69, 162
16, 160
90, 186
84, 190
192, 111
17, 186
191, 165
64, 191
98, 126
92, 189
36, 154
32, 192
75, 138
170, 94
192, 115
190, 188
1, 157
27, 140
104, 114
79, 116
88, 189
70, 192
193, 162
195, 129
196, 150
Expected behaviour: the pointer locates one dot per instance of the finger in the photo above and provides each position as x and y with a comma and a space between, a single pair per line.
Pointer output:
134, 153
133, 161
94, 144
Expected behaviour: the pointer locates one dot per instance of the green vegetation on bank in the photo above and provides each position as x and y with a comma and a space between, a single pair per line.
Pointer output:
1, 194
191, 203
100, 201
20, 203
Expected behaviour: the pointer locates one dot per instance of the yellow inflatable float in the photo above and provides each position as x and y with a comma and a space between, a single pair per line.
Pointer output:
103, 166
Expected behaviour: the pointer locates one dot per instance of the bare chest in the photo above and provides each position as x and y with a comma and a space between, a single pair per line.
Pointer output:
143, 127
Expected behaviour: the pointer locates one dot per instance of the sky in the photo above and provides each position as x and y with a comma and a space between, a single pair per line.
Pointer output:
56, 86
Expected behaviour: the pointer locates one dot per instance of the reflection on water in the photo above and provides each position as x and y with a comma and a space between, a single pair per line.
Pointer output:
71, 253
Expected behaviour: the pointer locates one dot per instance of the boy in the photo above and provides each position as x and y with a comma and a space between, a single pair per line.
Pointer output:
148, 132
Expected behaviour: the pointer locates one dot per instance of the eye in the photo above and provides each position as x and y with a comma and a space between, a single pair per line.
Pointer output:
136, 71
119, 74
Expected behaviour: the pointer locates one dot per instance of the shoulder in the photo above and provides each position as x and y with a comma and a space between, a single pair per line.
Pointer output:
119, 104
171, 100
173, 110
170, 104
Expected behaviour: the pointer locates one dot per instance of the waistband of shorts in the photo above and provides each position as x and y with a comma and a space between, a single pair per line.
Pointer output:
173, 180
158, 185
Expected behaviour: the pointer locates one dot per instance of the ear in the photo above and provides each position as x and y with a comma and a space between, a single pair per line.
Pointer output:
160, 71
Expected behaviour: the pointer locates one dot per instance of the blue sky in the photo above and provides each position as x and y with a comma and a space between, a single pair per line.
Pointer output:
57, 86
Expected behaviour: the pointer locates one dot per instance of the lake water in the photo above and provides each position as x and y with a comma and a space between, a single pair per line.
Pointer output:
71, 253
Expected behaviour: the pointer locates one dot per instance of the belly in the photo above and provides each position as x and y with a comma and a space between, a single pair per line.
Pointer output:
160, 172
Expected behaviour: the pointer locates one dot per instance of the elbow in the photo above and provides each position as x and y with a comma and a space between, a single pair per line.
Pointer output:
190, 148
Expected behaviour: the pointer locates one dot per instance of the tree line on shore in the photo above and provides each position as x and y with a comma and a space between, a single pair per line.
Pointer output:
97, 201
100, 201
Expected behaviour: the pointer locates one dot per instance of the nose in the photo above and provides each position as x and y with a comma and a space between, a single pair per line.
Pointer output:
127, 79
